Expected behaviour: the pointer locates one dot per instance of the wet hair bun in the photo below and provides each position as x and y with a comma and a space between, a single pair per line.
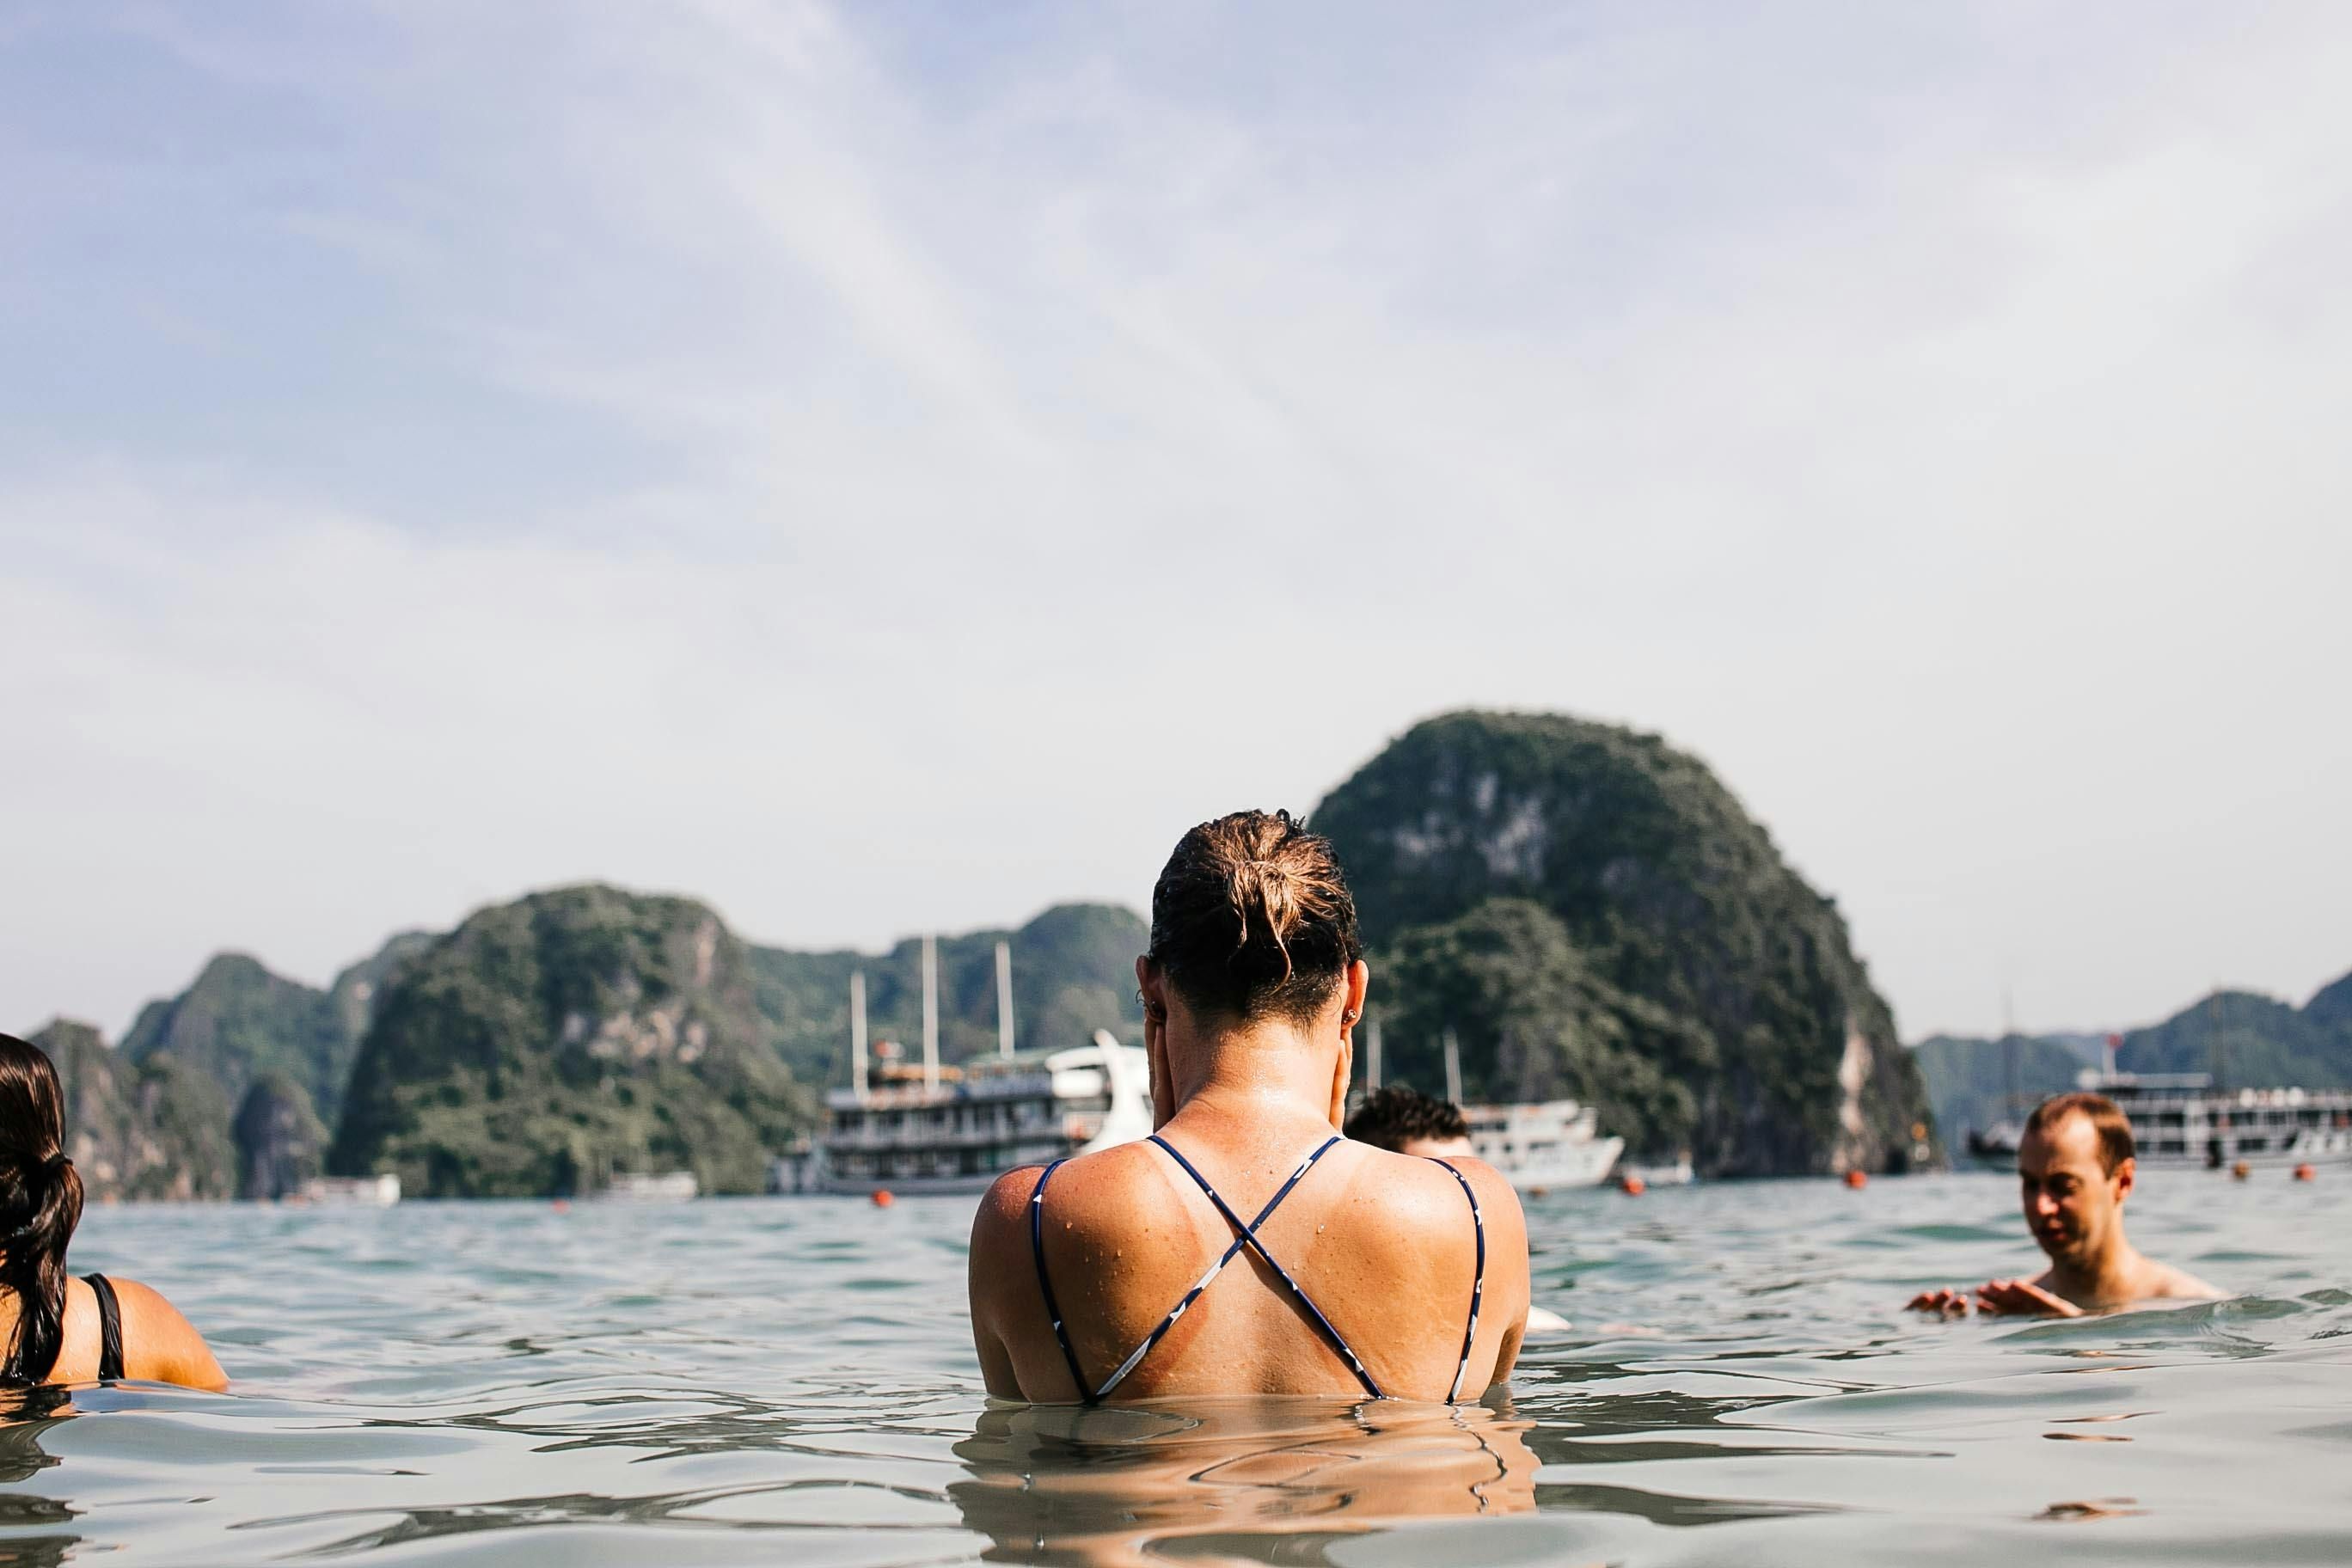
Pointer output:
1251, 915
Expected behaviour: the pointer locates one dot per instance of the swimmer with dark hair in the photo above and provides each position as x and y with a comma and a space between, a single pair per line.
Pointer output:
2075, 1166
1406, 1122
1247, 1246
55, 1328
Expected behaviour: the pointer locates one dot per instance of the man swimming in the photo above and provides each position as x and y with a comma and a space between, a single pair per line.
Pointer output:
1406, 1122
2075, 1166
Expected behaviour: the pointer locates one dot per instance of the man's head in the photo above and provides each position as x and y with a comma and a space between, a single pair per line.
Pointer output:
1407, 1122
2074, 1167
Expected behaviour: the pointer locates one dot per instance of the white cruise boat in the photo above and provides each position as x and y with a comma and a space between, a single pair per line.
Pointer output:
959, 1132
2180, 1119
1550, 1143
1537, 1146
946, 1129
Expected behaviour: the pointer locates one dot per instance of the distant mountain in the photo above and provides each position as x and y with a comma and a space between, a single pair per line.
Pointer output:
1967, 1081
550, 1043
2262, 1041
2332, 1007
1073, 972
237, 1020
1593, 913
153, 1129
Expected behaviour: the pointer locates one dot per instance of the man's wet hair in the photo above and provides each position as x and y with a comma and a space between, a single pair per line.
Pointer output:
1391, 1117
2114, 1128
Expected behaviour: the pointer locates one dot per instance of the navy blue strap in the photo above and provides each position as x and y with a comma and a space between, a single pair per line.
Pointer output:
1247, 1237
1045, 1282
1477, 1283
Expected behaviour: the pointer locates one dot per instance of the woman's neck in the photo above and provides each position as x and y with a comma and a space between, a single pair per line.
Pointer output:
1261, 1069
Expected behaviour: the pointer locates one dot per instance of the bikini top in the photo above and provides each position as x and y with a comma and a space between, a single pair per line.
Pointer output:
1245, 1235
110, 1328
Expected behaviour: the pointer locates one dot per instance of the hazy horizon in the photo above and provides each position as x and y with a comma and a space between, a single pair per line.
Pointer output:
894, 468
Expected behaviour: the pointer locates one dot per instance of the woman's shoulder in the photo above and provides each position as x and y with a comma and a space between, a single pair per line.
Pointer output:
159, 1344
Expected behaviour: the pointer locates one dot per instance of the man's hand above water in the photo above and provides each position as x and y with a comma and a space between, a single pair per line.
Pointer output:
2021, 1298
1944, 1303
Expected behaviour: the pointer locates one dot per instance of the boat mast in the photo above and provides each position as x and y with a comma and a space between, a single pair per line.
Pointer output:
1004, 1000
2221, 1052
857, 1033
1372, 1054
1452, 1067
931, 1014
2016, 1104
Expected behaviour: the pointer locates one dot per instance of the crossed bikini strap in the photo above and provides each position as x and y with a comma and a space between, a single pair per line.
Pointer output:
1245, 1237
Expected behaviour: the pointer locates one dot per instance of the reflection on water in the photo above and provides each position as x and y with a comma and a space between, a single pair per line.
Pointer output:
792, 1381
1263, 1480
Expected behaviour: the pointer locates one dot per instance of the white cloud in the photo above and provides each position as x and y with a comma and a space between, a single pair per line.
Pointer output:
878, 476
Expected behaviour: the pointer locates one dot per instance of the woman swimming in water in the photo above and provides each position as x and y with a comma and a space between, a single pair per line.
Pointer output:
1358, 1272
55, 1328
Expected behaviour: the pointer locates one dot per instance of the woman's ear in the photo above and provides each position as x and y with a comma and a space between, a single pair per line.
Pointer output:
1153, 991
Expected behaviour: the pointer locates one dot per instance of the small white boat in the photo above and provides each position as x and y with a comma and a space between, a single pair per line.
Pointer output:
1537, 1146
648, 1187
1677, 1174
350, 1191
1552, 1143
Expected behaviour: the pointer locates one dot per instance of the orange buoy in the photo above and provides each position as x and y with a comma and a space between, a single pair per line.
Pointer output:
1632, 1187
562, 1206
882, 1198
2241, 1169
2305, 1173
1857, 1179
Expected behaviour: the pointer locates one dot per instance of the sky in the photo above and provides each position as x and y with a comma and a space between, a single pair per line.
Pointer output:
897, 466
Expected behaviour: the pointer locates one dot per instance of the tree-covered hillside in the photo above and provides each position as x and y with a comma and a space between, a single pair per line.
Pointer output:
2261, 1042
236, 1021
1686, 978
548, 1043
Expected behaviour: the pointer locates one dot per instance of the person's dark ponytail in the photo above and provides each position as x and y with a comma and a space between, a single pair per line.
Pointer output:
40, 1205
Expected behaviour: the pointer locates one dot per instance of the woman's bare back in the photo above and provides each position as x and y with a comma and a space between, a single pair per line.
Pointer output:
1383, 1244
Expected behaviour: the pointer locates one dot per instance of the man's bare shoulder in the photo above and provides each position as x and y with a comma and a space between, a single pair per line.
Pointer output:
2165, 1283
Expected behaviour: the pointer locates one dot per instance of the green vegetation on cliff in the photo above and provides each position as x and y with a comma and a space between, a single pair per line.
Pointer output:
1688, 978
2262, 1042
550, 1043
237, 1021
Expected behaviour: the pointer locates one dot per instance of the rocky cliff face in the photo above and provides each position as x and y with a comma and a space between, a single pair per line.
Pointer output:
550, 1043
1592, 912
280, 1142
153, 1129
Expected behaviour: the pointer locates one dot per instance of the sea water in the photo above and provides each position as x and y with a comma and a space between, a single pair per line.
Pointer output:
791, 1380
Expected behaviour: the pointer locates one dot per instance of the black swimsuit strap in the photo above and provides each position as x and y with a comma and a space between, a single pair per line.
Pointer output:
1477, 1280
1044, 1281
1247, 1237
110, 1328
